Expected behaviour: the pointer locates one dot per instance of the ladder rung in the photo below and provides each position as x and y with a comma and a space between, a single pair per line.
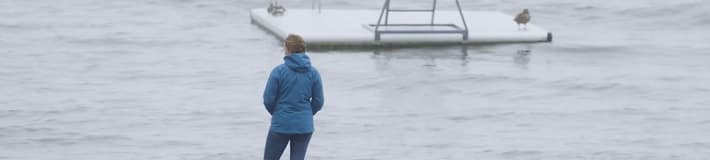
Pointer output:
422, 31
410, 10
416, 25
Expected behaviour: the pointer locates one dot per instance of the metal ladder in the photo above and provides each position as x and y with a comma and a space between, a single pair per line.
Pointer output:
454, 29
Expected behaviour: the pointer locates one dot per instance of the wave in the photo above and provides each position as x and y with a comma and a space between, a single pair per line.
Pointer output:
111, 41
676, 15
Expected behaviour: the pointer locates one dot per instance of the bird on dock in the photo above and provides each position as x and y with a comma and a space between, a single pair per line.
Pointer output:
275, 9
523, 18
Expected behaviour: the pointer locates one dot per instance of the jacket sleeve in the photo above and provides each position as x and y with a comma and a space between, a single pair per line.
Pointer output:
271, 93
318, 99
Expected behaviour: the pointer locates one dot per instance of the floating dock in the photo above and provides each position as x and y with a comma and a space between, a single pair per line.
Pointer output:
358, 27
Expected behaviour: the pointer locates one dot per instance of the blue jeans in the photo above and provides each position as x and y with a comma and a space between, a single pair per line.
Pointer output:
276, 143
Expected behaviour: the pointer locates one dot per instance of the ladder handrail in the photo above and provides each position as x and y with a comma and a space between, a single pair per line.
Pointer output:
379, 20
313, 5
433, 12
386, 9
458, 5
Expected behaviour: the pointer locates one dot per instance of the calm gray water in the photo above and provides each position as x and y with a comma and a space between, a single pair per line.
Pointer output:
182, 79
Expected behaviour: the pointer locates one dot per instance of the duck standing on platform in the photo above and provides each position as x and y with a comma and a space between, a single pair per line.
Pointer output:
523, 18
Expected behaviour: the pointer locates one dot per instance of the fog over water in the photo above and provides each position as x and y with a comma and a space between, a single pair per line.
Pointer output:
183, 79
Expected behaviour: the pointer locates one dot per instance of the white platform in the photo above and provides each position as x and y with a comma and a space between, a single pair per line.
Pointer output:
351, 27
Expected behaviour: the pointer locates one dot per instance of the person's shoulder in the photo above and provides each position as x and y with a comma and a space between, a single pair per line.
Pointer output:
278, 67
315, 72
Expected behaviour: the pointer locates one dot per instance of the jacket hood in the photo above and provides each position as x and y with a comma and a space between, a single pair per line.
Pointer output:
298, 62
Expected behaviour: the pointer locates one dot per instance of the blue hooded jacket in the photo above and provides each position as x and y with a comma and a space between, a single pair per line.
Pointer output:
293, 95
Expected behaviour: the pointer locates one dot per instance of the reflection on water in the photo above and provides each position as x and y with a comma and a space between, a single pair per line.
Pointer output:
522, 58
463, 53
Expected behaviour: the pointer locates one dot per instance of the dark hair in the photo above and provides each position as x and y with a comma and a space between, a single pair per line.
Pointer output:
295, 44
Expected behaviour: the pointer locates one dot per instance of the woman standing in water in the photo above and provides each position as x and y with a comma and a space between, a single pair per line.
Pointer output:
293, 95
